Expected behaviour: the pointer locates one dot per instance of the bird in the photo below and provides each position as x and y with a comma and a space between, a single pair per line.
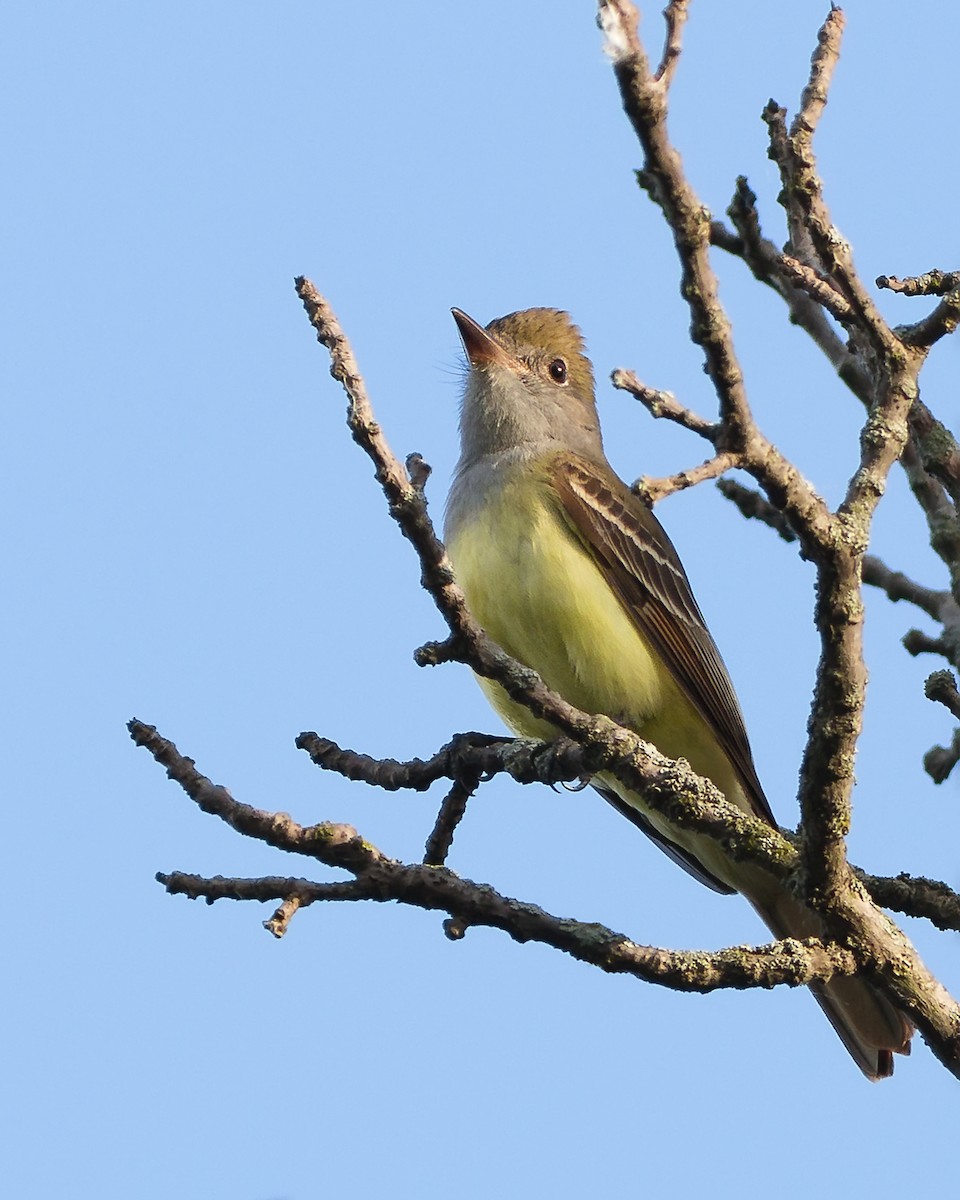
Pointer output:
572, 575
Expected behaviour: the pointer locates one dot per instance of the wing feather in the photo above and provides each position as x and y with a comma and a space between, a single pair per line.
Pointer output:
645, 572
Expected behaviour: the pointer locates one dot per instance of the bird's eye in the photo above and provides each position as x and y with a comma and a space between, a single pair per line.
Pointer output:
558, 370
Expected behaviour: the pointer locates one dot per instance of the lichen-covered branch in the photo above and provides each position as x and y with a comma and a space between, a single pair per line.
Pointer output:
932, 283
767, 263
943, 320
927, 899
818, 264
381, 878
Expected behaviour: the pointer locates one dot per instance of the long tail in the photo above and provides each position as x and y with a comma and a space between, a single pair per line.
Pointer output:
870, 1027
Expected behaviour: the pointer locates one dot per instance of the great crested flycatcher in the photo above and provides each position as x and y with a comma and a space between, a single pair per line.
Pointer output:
571, 574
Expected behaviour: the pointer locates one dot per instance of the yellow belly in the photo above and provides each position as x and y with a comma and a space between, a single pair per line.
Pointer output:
539, 594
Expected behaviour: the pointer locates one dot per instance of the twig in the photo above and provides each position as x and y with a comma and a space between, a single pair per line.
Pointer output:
939, 761
468, 755
463, 755
675, 16
901, 587
927, 899
381, 878
813, 99
916, 642
942, 519
802, 195
938, 450
943, 321
817, 288
451, 813
941, 687
662, 177
279, 923
766, 263
295, 893
756, 508
932, 283
875, 572
653, 490
664, 405
329, 843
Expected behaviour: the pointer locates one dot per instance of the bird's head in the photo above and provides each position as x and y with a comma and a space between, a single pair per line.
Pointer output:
530, 385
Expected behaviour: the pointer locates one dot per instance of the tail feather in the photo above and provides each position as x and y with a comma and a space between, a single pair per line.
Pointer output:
862, 1018
868, 1024
871, 1028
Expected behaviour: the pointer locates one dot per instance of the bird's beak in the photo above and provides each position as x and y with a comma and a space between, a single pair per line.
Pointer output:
481, 348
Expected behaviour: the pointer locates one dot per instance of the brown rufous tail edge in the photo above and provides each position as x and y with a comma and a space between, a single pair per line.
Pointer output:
868, 1024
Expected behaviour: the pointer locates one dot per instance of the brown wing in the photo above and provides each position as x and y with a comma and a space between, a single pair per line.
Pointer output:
643, 569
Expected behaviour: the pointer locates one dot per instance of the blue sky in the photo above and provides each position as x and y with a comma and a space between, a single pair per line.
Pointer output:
192, 539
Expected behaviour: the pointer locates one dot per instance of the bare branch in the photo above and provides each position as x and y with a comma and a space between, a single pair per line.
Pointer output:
461, 757
901, 587
822, 65
827, 778
939, 324
664, 180
941, 515
295, 893
755, 508
675, 16
927, 899
790, 962
662, 177
817, 288
279, 923
379, 877
916, 642
766, 263
653, 490
939, 761
816, 240
664, 404
938, 449
941, 686
451, 813
932, 283
874, 571
835, 543
335, 845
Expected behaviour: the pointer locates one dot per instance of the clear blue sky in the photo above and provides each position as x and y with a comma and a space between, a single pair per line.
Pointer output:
192, 538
